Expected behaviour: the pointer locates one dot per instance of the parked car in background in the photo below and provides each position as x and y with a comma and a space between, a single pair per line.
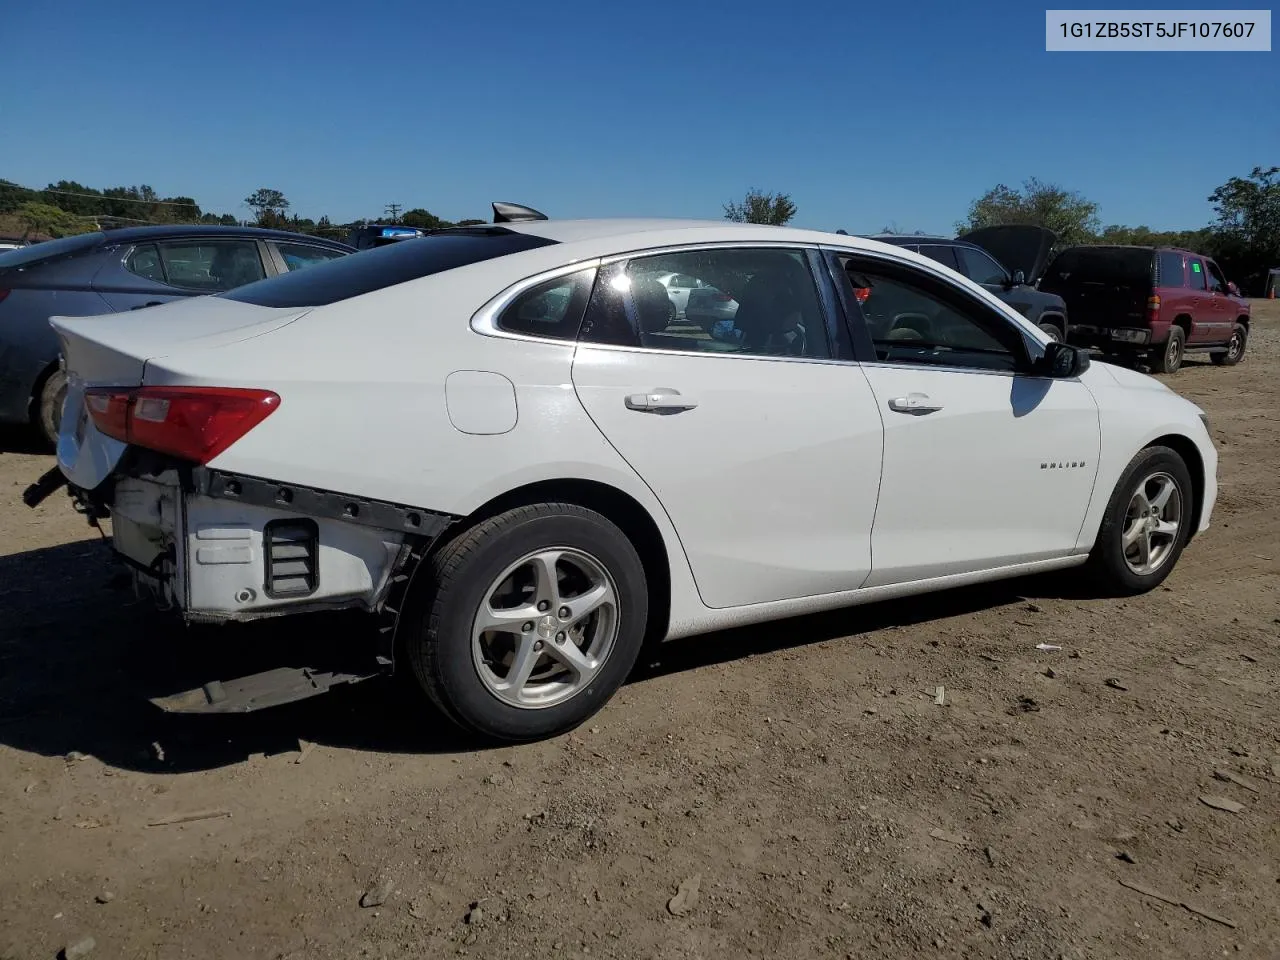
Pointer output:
373, 235
12, 243
107, 272
1006, 260
1149, 303
525, 469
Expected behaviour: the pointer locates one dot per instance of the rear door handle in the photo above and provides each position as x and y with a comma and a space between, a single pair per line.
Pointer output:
660, 400
915, 403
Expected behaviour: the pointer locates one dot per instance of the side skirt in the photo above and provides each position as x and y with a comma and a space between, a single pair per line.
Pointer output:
711, 620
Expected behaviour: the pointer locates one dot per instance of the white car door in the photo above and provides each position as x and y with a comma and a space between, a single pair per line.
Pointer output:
762, 447
986, 462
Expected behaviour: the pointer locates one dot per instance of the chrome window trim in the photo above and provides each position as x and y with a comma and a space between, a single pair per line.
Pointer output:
485, 320
926, 265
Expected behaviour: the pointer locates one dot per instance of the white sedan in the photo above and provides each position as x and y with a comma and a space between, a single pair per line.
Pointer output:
495, 440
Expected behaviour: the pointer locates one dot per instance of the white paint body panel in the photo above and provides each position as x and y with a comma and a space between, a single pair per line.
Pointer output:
770, 480
772, 486
963, 488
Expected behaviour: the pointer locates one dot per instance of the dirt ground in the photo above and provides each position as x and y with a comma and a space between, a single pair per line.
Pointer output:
801, 774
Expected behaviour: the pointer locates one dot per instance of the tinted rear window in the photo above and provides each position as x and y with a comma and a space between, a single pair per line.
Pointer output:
26, 256
371, 270
1100, 265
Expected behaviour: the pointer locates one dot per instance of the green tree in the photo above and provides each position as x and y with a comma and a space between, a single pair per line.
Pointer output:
760, 207
1073, 218
268, 205
46, 219
423, 219
1247, 232
470, 223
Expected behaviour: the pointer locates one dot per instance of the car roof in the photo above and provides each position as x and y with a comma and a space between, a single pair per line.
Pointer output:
170, 231
621, 234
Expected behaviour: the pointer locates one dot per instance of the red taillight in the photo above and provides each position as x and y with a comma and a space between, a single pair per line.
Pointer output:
4, 292
861, 294
723, 297
193, 423
1153, 308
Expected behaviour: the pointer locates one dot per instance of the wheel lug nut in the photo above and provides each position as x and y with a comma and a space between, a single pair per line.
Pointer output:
528, 626
543, 605
537, 647
560, 637
564, 613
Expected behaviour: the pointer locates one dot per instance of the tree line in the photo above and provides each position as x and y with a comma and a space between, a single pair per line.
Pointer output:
67, 207
1244, 238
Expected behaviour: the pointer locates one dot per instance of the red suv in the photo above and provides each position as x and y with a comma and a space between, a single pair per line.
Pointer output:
1156, 303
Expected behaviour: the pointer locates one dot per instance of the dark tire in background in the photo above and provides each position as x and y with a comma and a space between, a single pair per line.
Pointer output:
1169, 358
53, 396
1235, 347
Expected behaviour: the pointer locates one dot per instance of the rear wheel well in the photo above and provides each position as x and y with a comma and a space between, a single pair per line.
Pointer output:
619, 508
1190, 454
1244, 322
1184, 321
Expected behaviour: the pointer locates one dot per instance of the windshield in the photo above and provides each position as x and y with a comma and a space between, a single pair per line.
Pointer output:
1077, 265
405, 260
37, 252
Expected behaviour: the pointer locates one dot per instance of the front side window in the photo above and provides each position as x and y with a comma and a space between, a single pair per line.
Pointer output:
979, 267
211, 266
1217, 282
1196, 275
916, 319
756, 302
298, 256
943, 254
550, 309
1172, 273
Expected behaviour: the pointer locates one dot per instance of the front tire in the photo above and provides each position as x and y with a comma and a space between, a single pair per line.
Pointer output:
1147, 523
535, 617
1235, 347
1052, 330
1169, 360
53, 397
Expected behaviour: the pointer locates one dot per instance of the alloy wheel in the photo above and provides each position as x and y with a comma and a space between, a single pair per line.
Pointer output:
545, 627
1152, 524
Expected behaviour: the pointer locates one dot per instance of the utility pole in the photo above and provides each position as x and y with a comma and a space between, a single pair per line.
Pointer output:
393, 211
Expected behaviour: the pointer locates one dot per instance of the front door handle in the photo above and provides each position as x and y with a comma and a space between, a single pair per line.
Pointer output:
914, 403
660, 400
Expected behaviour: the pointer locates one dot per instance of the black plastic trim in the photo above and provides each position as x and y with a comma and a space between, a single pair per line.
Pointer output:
324, 504
310, 542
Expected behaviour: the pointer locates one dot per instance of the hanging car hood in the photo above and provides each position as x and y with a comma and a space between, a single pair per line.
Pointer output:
1018, 246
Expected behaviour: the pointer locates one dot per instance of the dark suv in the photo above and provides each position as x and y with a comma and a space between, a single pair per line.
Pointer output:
982, 256
1150, 303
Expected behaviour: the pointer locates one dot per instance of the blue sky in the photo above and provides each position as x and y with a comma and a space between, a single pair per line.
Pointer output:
868, 114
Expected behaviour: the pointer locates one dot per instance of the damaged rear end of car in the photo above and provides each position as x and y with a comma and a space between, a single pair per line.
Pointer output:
210, 545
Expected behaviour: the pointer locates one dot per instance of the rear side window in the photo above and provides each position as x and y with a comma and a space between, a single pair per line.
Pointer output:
370, 270
1196, 274
210, 266
1172, 273
298, 256
943, 254
145, 262
551, 309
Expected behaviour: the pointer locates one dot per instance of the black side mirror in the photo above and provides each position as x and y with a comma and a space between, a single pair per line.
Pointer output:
1062, 361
